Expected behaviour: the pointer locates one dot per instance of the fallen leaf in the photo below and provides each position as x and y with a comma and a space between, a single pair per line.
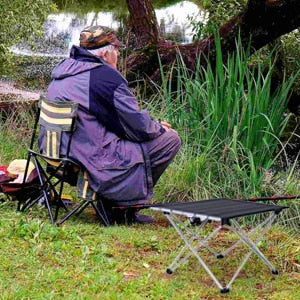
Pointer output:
259, 286
145, 265
130, 275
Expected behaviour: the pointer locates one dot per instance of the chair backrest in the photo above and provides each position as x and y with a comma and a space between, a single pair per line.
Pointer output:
57, 117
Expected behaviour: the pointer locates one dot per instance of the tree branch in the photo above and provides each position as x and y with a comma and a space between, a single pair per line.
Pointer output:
261, 22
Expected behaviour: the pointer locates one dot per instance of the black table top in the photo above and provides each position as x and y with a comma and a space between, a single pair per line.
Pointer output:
220, 209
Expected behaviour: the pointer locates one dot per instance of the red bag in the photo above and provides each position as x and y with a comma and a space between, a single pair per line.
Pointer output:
3, 170
5, 178
19, 191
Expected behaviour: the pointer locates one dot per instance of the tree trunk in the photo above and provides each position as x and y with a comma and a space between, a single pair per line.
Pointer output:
143, 23
261, 22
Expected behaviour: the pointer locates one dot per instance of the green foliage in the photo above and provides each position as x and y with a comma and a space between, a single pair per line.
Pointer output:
217, 13
82, 7
222, 10
33, 72
20, 21
198, 27
118, 7
231, 126
291, 55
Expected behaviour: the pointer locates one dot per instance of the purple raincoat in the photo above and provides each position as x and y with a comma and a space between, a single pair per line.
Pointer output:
111, 129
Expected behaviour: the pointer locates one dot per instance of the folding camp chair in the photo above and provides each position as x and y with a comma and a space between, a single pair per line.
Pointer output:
57, 118
227, 212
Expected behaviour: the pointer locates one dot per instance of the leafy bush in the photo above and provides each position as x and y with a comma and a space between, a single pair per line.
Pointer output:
20, 21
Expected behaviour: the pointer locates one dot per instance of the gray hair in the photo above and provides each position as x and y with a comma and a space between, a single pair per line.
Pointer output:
98, 51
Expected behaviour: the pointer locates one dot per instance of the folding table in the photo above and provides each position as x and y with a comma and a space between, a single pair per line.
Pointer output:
227, 212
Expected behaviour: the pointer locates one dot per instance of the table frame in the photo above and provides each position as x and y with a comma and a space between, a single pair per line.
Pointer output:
190, 234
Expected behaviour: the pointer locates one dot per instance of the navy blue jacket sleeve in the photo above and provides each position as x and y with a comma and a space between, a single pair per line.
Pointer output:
137, 124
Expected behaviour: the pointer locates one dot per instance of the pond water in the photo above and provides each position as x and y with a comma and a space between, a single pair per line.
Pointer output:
62, 29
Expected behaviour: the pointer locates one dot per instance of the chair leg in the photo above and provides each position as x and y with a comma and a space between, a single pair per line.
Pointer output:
47, 188
85, 204
47, 204
63, 205
82, 205
101, 214
31, 202
19, 206
60, 203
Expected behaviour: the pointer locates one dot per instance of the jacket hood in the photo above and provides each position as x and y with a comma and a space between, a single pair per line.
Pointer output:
80, 61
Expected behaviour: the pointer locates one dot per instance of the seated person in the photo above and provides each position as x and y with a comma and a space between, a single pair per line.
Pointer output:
123, 150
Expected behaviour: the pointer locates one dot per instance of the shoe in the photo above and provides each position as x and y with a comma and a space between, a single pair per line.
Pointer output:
130, 216
142, 219
124, 215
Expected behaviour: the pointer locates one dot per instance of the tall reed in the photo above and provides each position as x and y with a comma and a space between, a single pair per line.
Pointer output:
228, 119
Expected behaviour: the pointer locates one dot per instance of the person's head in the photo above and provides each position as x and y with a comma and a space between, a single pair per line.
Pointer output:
109, 53
102, 42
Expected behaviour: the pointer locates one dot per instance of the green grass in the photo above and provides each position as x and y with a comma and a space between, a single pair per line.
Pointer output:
83, 260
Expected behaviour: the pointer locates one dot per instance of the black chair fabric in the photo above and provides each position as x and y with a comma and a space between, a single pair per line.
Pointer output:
56, 117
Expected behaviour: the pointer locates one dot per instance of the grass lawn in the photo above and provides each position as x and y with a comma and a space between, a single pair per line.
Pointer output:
84, 260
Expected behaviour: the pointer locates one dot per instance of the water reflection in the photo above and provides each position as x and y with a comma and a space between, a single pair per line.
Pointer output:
62, 30
174, 20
